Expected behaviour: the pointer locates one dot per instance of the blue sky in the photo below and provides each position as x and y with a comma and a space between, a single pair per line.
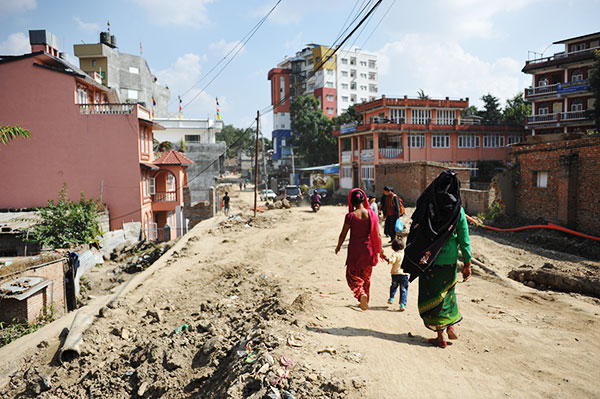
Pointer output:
455, 48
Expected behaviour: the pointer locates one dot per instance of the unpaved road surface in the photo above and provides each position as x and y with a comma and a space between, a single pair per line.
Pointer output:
275, 287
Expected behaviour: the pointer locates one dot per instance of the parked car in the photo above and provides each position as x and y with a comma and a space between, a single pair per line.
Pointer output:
267, 195
293, 194
321, 190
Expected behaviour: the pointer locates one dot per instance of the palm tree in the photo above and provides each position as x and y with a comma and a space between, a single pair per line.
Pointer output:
7, 133
422, 96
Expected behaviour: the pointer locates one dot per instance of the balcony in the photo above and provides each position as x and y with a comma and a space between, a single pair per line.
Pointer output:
346, 156
366, 155
106, 109
544, 118
167, 196
541, 90
560, 59
390, 152
572, 116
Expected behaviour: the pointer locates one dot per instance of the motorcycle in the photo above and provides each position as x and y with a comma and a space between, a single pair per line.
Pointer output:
315, 206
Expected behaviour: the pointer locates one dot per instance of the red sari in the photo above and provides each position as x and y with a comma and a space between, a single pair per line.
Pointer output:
363, 249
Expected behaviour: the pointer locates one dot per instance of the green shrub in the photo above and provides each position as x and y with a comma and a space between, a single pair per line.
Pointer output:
66, 223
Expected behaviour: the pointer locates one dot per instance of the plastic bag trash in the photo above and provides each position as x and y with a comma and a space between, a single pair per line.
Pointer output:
275, 394
287, 395
399, 226
180, 329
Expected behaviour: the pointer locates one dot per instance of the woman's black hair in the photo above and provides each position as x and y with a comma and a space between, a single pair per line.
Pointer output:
357, 198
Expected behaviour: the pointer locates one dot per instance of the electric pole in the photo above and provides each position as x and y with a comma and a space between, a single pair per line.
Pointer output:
256, 162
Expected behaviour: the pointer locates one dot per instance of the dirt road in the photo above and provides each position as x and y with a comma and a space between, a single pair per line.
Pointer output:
276, 282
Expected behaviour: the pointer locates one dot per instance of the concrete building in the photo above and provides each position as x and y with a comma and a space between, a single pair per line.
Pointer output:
202, 147
81, 136
128, 74
560, 93
347, 78
396, 130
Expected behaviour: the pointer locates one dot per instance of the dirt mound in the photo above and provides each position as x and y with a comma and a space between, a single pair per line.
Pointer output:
584, 280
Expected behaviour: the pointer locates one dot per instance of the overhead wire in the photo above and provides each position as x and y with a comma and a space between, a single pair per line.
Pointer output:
378, 23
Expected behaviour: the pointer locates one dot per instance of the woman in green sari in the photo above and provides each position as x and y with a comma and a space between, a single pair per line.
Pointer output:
437, 299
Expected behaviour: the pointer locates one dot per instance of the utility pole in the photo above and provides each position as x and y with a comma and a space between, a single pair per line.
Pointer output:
262, 137
293, 176
256, 162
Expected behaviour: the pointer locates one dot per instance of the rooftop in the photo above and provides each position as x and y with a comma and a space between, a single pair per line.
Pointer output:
173, 158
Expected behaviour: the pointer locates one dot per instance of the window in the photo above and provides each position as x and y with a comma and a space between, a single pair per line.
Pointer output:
363, 100
468, 140
440, 140
192, 138
541, 179
330, 97
132, 94
344, 85
577, 75
577, 105
397, 115
281, 88
346, 172
543, 109
363, 63
81, 95
353, 86
372, 76
309, 61
344, 99
421, 116
329, 111
353, 98
329, 84
493, 140
329, 71
352, 61
513, 139
363, 88
416, 140
344, 74
445, 116
134, 70
144, 185
171, 220
372, 64
363, 75
352, 73
472, 165
151, 185
345, 61
170, 182
577, 47
367, 172
93, 63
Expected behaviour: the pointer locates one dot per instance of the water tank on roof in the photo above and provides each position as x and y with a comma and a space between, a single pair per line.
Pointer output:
113, 41
105, 38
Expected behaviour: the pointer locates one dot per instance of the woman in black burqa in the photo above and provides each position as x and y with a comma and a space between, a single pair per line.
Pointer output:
439, 227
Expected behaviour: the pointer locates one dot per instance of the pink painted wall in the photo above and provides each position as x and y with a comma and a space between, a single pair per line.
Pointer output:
65, 146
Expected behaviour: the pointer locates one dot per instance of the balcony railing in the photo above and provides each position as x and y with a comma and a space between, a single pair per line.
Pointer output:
366, 155
390, 153
346, 156
572, 115
562, 55
167, 196
106, 109
544, 118
540, 90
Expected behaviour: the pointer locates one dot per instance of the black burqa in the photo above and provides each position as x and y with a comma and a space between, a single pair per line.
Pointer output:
433, 222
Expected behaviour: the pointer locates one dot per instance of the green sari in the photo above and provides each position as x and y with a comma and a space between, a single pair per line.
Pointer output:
437, 300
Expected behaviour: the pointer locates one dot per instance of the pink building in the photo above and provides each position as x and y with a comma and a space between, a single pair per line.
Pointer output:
81, 135
407, 129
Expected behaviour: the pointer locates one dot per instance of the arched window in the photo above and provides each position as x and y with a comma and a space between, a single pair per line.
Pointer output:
576, 75
577, 105
170, 182
543, 109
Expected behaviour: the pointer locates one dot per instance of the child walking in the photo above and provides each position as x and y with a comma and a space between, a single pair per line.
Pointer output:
399, 278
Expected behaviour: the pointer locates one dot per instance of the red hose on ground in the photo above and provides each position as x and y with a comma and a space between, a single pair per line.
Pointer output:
549, 226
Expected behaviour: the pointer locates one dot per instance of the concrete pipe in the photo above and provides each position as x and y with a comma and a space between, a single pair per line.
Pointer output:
72, 346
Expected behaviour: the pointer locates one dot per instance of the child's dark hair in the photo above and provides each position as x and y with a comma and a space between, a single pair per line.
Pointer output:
397, 244
357, 198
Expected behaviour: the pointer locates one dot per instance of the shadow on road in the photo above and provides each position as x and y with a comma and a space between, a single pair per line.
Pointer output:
404, 338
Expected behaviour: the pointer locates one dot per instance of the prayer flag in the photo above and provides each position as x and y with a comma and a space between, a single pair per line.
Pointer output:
153, 101
218, 113
180, 115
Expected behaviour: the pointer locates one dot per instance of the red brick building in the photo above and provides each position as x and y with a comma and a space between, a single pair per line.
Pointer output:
559, 182
397, 130
560, 93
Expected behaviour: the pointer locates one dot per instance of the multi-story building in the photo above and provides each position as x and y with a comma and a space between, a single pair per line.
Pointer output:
560, 93
128, 74
405, 129
347, 78
82, 136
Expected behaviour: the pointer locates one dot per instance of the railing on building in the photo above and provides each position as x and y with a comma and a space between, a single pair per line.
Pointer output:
346, 156
167, 196
106, 109
390, 153
544, 118
568, 116
562, 55
539, 90
366, 155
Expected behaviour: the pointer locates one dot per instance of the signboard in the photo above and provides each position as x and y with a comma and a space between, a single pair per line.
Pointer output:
571, 87
348, 128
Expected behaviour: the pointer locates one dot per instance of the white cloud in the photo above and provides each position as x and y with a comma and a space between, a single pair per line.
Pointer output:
180, 77
16, 6
16, 44
444, 68
181, 13
86, 26
226, 47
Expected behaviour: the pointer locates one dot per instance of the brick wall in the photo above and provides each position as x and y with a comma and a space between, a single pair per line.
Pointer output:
476, 201
29, 309
410, 179
572, 195
199, 211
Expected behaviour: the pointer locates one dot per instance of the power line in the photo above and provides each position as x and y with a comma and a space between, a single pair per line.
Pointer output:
377, 26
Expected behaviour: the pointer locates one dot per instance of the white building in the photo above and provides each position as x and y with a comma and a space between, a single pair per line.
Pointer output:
357, 78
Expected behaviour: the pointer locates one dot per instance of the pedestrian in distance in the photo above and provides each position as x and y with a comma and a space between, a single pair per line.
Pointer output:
373, 205
240, 186
399, 278
364, 247
392, 210
226, 203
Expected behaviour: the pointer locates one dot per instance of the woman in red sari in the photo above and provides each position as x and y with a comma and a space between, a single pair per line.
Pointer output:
364, 246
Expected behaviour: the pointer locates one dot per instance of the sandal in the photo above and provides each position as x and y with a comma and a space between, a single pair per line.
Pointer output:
451, 333
438, 343
364, 302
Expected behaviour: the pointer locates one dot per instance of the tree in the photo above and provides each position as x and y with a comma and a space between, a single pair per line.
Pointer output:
516, 110
421, 95
237, 139
491, 112
594, 79
7, 133
161, 146
351, 115
312, 132
472, 110
66, 223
